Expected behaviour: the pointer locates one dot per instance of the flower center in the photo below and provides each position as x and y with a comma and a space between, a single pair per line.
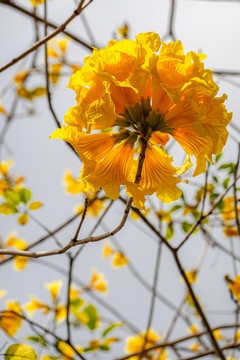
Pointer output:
141, 120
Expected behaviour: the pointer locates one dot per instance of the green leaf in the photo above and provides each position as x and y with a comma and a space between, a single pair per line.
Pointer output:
25, 195
20, 352
225, 182
214, 196
221, 205
196, 214
7, 209
38, 340
110, 328
12, 197
104, 347
175, 208
76, 303
218, 157
230, 166
215, 179
186, 226
91, 311
169, 232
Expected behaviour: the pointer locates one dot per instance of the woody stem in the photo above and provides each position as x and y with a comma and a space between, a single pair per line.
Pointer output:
141, 160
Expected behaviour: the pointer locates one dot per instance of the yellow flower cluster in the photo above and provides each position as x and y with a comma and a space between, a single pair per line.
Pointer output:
136, 343
134, 98
229, 217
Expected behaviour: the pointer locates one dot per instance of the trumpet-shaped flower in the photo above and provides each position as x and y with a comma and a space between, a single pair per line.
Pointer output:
140, 97
10, 321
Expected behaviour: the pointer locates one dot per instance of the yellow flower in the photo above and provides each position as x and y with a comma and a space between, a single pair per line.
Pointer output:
36, 2
119, 260
2, 110
57, 49
142, 97
107, 250
194, 347
7, 181
66, 350
192, 276
123, 31
72, 186
2, 293
54, 288
55, 72
98, 282
135, 343
21, 77
238, 335
231, 231
234, 286
20, 262
60, 312
34, 304
218, 335
10, 322
228, 212
164, 216
193, 329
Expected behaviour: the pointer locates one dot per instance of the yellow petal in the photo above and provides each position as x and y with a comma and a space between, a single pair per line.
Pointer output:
54, 288
112, 171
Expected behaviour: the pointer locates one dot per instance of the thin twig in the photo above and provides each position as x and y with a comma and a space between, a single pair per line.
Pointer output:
50, 24
76, 12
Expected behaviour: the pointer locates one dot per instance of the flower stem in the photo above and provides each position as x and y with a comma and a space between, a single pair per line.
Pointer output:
141, 160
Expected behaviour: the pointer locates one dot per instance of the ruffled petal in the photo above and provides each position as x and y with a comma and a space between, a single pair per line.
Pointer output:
112, 171
158, 175
194, 144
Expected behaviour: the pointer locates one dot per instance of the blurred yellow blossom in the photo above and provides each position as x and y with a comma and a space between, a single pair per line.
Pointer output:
230, 231
136, 216
2, 110
107, 250
193, 329
135, 343
34, 304
57, 49
2, 293
20, 262
66, 350
36, 2
192, 276
10, 322
7, 181
218, 335
228, 211
71, 185
145, 96
21, 77
118, 259
164, 216
194, 347
123, 31
234, 286
54, 288
98, 281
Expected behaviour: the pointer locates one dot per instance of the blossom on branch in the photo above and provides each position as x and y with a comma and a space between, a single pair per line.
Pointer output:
131, 100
